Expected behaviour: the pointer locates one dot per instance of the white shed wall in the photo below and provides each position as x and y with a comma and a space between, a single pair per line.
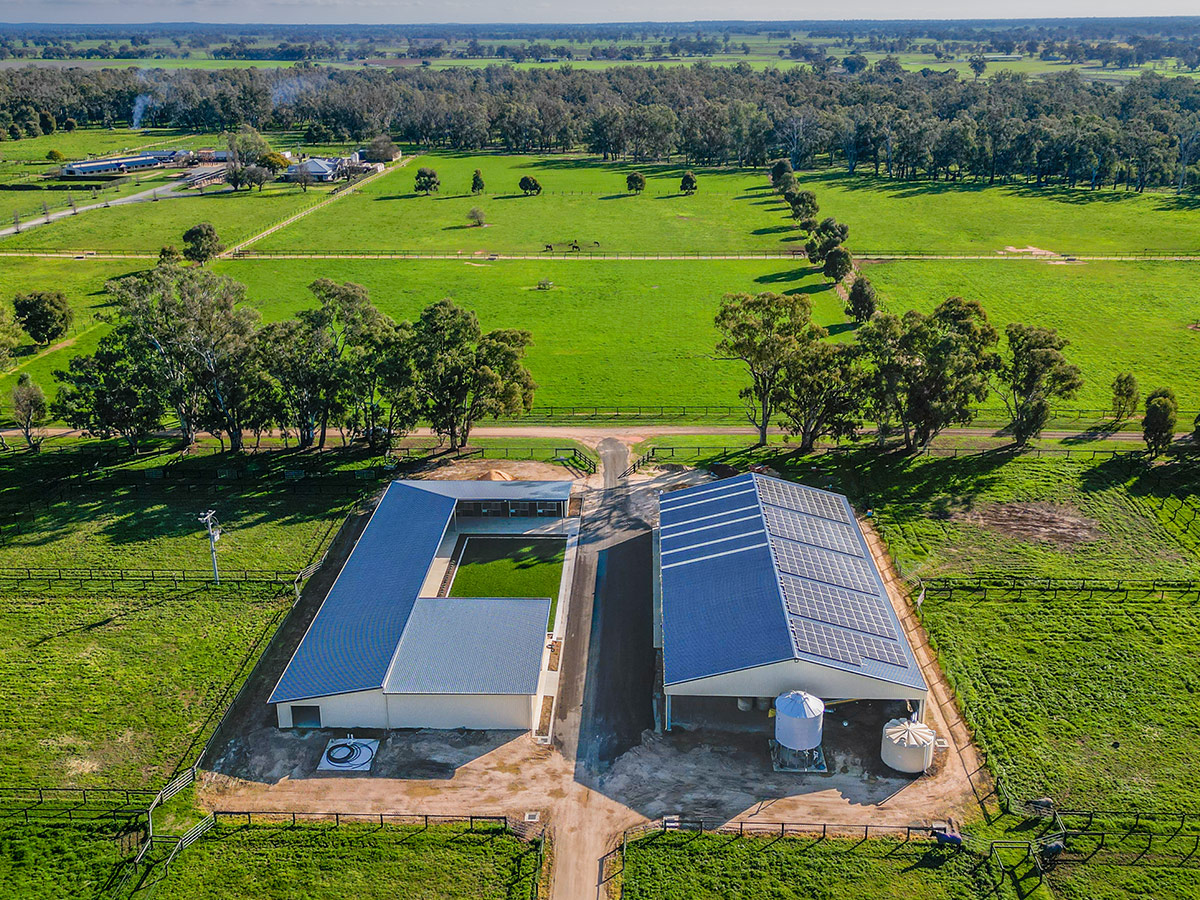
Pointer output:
362, 709
792, 675
481, 711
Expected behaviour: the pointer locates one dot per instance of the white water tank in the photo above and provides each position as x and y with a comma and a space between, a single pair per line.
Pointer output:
799, 717
908, 745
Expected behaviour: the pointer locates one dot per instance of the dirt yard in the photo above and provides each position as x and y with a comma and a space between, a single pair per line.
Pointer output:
1049, 523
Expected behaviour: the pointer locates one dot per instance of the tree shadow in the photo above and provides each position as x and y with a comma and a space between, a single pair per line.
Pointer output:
788, 275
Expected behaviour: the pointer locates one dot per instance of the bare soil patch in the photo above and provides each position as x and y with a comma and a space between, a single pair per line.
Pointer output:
472, 469
1045, 523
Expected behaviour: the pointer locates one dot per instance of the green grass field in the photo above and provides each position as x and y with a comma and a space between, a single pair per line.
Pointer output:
59, 859
316, 862
510, 567
583, 200
995, 514
888, 215
84, 142
146, 226
609, 332
1090, 701
1134, 876
102, 688
679, 865
1085, 699
153, 525
1118, 316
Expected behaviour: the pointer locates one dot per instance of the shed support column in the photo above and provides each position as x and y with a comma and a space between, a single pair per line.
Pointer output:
921, 710
668, 711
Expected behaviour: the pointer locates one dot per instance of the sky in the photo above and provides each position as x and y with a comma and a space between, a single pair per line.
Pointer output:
555, 11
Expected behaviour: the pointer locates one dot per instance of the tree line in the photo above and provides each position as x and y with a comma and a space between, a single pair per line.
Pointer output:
185, 348
899, 124
914, 375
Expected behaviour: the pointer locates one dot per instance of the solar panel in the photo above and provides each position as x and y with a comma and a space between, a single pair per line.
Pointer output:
835, 606
798, 526
847, 646
798, 497
822, 565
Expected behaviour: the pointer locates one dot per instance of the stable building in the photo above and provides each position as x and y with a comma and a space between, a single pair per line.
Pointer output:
388, 650
120, 165
766, 586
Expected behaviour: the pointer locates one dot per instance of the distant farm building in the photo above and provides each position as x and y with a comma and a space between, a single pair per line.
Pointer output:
119, 165
389, 649
766, 587
317, 168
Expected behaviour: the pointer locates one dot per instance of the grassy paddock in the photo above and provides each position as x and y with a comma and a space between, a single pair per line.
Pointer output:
679, 865
317, 862
936, 216
113, 689
153, 525
84, 142
1049, 517
583, 199
147, 226
60, 859
1118, 316
606, 333
1090, 701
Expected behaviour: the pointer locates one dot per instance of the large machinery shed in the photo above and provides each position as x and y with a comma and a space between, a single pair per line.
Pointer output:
767, 586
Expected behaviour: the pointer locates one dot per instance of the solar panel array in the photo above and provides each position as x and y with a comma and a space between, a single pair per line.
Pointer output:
810, 530
824, 603
833, 598
801, 499
847, 646
823, 565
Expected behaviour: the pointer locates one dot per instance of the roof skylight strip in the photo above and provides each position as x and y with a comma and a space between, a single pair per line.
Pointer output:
688, 562
732, 537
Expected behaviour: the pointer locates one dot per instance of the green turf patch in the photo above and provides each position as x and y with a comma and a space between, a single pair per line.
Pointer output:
519, 566
81, 860
115, 690
315, 862
679, 865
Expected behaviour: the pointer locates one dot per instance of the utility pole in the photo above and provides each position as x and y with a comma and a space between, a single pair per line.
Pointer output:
209, 518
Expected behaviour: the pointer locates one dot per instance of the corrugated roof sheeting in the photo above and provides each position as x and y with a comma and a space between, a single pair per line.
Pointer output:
350, 643
756, 570
471, 646
496, 490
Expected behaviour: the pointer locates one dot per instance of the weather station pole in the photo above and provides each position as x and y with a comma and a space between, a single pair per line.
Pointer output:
209, 518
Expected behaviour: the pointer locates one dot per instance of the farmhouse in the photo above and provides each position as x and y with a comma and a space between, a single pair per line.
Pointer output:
319, 169
393, 646
765, 587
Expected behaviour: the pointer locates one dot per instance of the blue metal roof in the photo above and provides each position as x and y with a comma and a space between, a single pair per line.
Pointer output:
758, 570
454, 645
360, 632
497, 490
353, 638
